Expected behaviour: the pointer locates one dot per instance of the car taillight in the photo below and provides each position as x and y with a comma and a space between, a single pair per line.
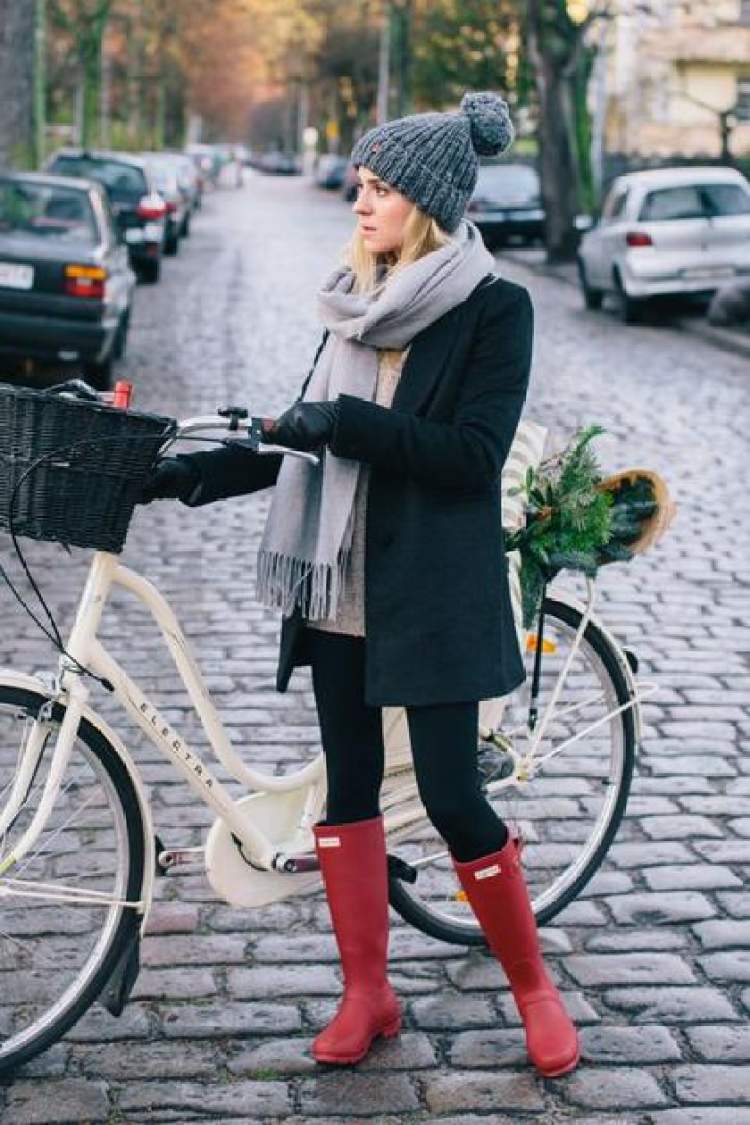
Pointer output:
85, 281
638, 238
151, 207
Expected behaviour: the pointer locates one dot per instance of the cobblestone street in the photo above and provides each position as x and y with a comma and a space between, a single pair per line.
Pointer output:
653, 958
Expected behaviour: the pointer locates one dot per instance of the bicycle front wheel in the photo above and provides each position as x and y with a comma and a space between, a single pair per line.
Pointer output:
569, 807
64, 914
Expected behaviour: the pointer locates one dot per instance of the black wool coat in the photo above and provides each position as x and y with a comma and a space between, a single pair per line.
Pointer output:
438, 617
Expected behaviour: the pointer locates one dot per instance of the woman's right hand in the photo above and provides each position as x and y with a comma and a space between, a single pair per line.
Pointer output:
172, 478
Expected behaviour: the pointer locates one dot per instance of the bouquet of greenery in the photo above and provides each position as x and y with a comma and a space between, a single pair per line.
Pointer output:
578, 520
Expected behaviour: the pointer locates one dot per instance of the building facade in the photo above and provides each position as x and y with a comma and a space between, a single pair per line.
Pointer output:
678, 79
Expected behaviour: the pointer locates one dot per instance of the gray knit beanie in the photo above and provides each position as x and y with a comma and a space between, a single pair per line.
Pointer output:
431, 158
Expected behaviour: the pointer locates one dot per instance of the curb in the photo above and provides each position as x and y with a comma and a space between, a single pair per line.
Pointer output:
737, 342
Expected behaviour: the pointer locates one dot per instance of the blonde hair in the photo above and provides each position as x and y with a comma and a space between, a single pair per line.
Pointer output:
422, 235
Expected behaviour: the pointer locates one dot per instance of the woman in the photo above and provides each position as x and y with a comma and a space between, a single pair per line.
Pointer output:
387, 559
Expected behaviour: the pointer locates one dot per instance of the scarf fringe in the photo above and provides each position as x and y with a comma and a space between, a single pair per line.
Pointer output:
284, 582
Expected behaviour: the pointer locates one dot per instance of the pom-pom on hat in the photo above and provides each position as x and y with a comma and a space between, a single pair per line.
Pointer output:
431, 158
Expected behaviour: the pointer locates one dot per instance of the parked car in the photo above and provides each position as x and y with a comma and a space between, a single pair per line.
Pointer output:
330, 170
139, 209
190, 184
66, 287
507, 203
206, 160
349, 185
667, 232
278, 163
167, 183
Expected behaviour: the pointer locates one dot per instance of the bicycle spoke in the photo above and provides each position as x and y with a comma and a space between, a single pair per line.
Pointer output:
62, 903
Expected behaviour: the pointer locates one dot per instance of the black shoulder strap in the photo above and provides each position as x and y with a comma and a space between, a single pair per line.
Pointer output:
321, 345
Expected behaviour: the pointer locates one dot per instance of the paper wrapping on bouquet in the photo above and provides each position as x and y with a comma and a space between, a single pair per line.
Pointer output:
653, 526
525, 452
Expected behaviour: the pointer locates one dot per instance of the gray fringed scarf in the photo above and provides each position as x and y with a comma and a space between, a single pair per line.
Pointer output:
305, 548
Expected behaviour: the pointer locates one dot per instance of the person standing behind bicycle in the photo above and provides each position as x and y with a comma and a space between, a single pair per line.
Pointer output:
387, 558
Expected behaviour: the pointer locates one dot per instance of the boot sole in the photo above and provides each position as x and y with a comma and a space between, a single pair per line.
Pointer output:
390, 1031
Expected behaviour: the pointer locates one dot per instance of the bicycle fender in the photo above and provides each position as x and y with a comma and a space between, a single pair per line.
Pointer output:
32, 683
617, 649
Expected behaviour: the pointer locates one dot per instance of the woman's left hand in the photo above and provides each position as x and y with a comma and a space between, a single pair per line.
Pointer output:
306, 426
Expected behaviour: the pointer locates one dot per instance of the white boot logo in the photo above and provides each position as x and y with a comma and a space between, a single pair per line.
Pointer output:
329, 842
487, 872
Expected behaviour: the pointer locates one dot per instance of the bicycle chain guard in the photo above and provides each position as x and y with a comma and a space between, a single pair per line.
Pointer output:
233, 877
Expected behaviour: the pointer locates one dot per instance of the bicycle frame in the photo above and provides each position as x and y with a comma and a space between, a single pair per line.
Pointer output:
86, 649
401, 804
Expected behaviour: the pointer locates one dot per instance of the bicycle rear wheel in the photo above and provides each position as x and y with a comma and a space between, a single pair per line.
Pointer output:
568, 812
64, 924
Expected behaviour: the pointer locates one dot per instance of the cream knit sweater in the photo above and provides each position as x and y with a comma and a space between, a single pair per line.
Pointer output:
350, 617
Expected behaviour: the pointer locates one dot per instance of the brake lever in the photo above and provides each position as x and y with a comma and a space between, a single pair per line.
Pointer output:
255, 442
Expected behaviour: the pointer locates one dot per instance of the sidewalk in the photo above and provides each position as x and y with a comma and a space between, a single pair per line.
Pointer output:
735, 340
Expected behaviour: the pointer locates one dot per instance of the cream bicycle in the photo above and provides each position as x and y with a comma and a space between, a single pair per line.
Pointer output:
78, 850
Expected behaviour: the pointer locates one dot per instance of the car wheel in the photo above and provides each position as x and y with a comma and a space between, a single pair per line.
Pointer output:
592, 298
630, 308
150, 271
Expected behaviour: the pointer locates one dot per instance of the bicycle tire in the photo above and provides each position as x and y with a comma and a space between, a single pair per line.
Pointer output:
97, 973
418, 913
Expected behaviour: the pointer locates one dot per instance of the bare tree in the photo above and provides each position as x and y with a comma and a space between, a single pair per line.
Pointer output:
555, 43
16, 81
85, 21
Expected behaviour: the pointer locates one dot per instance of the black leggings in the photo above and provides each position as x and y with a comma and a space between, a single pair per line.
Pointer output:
443, 742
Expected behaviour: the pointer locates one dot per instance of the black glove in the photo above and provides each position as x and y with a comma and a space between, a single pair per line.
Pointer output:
306, 425
172, 478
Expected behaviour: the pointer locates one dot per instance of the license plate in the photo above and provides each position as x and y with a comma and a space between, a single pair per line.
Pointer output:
712, 272
13, 276
134, 234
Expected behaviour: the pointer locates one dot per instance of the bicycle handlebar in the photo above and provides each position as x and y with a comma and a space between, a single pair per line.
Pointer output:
232, 421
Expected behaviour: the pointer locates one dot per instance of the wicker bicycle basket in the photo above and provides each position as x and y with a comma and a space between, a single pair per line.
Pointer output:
71, 470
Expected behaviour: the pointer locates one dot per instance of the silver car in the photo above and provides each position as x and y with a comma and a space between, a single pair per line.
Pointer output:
666, 232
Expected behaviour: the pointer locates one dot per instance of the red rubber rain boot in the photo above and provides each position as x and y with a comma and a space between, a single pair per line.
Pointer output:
355, 875
496, 889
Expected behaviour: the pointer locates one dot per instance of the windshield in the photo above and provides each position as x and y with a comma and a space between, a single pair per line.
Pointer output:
124, 182
52, 213
508, 181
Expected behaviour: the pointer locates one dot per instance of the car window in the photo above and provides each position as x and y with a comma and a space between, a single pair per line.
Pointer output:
125, 183
512, 181
615, 204
51, 213
726, 199
671, 204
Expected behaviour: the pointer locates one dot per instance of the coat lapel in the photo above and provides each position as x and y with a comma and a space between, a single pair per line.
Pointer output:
429, 352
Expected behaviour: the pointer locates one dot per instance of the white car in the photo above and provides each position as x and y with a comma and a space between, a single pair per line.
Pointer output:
667, 231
